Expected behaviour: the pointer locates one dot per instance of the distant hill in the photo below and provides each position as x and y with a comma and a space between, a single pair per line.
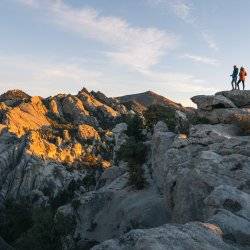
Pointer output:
146, 99
15, 94
135, 106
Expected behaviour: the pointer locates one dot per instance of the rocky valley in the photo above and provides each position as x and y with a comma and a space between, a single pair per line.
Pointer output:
87, 171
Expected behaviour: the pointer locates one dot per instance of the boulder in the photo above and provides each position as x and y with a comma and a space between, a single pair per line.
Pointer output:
109, 175
182, 122
160, 127
194, 236
116, 208
119, 135
236, 229
214, 133
73, 107
27, 116
210, 102
229, 198
241, 98
230, 209
161, 141
232, 115
55, 107
87, 132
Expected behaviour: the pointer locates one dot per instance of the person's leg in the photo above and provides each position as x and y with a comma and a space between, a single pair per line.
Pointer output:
233, 81
243, 84
238, 84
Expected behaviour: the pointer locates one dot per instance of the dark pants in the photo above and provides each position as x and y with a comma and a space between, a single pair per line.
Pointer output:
243, 84
234, 82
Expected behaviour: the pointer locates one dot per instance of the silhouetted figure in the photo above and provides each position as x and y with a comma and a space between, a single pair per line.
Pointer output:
234, 77
242, 79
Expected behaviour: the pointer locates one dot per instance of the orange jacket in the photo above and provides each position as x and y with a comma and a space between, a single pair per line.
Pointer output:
243, 75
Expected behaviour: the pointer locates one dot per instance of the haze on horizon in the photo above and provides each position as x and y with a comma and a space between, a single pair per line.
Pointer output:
177, 48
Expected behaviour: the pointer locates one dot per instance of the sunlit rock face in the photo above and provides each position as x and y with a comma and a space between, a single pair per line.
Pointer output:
87, 132
27, 116
42, 148
43, 136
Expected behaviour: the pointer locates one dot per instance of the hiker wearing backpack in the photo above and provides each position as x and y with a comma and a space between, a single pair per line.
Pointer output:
234, 77
242, 79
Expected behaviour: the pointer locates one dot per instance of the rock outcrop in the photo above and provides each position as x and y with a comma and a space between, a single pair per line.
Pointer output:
212, 102
184, 237
26, 116
225, 107
240, 98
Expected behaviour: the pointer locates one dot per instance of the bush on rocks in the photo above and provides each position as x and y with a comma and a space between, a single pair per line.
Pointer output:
134, 152
157, 113
27, 228
15, 218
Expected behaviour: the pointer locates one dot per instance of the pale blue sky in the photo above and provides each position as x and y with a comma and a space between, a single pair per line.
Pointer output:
178, 48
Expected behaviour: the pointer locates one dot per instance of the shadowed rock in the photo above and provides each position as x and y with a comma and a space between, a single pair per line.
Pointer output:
241, 98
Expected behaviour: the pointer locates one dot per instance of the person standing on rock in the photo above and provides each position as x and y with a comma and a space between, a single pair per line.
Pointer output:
242, 79
234, 77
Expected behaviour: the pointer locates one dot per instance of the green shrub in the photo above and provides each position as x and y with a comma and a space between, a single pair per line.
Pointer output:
65, 195
134, 153
75, 203
195, 120
64, 225
46, 232
28, 228
135, 127
42, 235
89, 180
15, 218
157, 113
136, 175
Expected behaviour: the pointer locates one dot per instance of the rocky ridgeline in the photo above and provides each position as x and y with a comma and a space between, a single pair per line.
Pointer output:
197, 171
42, 137
225, 107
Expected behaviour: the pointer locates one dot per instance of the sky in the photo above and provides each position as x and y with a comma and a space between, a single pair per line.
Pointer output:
177, 48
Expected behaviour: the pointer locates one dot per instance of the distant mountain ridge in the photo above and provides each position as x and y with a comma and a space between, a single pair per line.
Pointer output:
148, 98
